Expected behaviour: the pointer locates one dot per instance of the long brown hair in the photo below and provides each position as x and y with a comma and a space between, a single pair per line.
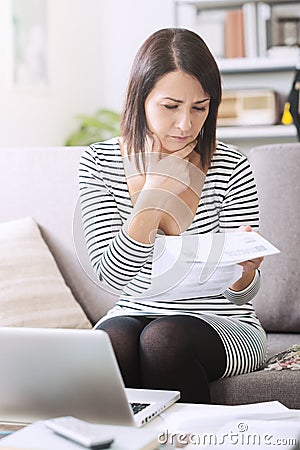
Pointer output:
166, 51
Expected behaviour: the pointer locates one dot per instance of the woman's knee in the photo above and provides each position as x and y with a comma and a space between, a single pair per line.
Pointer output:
166, 335
122, 329
183, 340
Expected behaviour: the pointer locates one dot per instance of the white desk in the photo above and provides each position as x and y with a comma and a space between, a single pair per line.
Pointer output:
195, 426
260, 426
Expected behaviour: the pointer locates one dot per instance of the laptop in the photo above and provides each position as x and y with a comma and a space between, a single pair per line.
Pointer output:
48, 373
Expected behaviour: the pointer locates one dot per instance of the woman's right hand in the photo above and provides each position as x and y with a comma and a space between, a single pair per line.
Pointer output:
167, 172
165, 177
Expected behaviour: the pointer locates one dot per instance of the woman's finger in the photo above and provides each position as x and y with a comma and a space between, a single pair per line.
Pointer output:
251, 264
245, 228
185, 151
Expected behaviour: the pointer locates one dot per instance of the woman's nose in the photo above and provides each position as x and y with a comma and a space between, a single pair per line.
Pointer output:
184, 121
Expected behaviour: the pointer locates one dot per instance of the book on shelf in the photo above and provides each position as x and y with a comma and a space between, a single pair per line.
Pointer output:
234, 34
250, 29
263, 28
210, 26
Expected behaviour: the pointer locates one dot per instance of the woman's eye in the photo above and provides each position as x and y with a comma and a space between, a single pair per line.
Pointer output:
203, 108
170, 106
195, 108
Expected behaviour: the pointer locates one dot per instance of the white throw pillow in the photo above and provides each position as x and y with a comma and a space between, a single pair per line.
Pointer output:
33, 292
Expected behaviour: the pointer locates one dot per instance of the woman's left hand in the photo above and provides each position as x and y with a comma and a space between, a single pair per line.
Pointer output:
251, 264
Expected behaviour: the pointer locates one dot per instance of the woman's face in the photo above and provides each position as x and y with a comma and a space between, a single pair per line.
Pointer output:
176, 110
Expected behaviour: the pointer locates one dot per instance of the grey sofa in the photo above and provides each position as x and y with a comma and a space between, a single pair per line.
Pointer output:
42, 183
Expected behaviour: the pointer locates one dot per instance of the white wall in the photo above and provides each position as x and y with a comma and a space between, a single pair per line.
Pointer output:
91, 47
126, 24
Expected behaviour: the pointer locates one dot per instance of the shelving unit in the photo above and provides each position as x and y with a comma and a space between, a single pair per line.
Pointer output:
260, 22
245, 138
253, 70
221, 4
262, 132
255, 65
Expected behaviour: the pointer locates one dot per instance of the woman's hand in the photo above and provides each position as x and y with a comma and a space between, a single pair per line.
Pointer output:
158, 203
251, 264
248, 268
169, 173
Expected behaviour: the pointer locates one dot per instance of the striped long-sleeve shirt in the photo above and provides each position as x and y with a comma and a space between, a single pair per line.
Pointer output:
228, 200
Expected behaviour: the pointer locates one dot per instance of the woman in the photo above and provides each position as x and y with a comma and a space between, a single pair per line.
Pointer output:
167, 174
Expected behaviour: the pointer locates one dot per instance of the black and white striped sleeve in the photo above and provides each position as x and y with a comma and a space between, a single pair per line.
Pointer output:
240, 202
114, 255
240, 207
247, 294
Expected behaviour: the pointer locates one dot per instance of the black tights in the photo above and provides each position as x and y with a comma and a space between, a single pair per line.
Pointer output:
171, 352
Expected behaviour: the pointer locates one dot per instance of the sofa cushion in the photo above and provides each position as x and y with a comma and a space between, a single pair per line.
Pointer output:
32, 290
260, 386
42, 182
278, 342
276, 170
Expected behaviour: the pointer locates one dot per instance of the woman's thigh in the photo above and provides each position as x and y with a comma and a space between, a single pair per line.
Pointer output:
124, 333
182, 339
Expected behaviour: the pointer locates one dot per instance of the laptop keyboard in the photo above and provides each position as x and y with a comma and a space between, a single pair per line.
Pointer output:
137, 407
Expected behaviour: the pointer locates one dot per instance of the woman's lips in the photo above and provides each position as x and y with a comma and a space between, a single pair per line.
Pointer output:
180, 138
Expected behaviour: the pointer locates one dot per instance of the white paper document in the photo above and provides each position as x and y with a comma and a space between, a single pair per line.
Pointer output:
202, 265
206, 418
252, 426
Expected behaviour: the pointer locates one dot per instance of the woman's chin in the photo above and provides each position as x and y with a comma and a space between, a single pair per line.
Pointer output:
176, 143
173, 148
